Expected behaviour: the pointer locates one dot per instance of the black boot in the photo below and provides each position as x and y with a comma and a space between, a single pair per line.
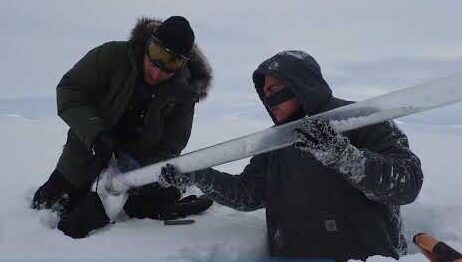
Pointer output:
87, 216
58, 194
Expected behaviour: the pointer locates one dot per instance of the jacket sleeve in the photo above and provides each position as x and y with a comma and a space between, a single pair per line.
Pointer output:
244, 192
385, 170
177, 130
78, 93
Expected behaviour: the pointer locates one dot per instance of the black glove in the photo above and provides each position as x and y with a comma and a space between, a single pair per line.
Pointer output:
320, 139
189, 205
58, 194
103, 148
149, 200
87, 216
153, 201
171, 176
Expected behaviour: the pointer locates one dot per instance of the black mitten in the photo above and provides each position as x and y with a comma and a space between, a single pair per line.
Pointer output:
87, 216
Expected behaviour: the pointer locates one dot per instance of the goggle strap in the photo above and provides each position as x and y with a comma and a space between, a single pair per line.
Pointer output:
157, 41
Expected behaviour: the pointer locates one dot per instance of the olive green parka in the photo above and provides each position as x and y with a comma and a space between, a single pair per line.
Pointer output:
93, 95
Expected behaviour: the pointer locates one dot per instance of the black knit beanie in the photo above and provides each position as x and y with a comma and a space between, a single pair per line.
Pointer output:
176, 34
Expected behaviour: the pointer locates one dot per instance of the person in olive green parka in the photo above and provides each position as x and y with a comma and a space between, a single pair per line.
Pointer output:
134, 98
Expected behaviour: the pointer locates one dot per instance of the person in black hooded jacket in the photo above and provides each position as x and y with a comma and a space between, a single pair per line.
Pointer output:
330, 195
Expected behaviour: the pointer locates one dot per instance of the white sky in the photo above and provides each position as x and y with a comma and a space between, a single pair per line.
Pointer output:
364, 47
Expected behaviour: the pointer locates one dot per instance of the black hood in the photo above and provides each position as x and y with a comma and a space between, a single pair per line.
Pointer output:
299, 72
200, 72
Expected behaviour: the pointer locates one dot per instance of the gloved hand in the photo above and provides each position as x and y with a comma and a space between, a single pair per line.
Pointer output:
149, 200
186, 206
57, 194
153, 201
171, 176
103, 148
318, 138
87, 216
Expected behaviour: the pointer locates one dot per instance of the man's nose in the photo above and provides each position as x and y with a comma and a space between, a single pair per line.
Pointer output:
156, 72
159, 73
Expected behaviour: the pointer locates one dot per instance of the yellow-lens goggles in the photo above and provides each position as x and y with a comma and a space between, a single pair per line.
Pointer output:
163, 57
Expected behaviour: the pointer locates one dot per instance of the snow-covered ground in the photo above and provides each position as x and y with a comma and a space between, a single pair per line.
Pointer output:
30, 149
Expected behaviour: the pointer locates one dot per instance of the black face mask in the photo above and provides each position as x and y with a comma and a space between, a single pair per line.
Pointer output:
279, 97
295, 116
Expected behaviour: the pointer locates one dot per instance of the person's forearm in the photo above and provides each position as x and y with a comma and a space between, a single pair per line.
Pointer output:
228, 190
85, 80
391, 180
84, 122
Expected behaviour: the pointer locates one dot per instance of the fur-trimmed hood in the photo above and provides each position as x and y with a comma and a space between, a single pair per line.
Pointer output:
199, 68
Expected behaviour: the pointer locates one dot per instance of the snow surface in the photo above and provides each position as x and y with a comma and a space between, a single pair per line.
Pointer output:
30, 149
